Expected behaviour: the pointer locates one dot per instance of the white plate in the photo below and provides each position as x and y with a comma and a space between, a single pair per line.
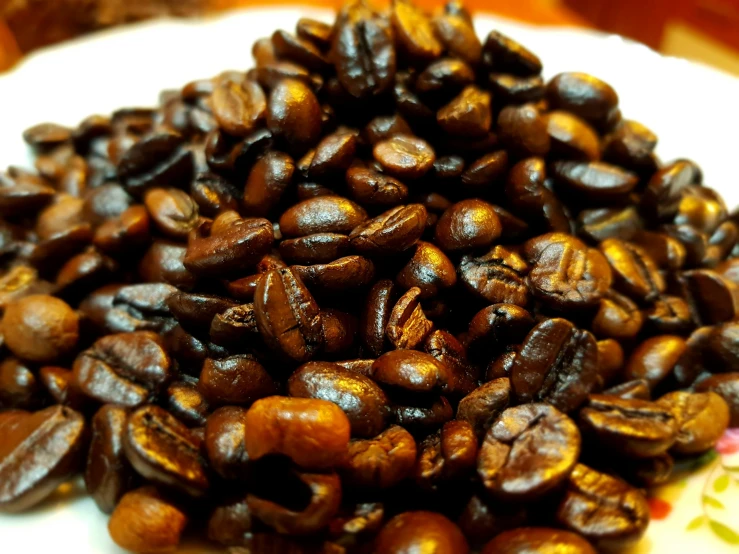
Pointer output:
694, 109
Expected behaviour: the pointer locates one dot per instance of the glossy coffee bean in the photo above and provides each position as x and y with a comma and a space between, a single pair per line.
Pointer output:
415, 35
393, 231
293, 113
571, 137
428, 269
469, 114
497, 277
19, 387
467, 225
524, 131
633, 428
596, 182
503, 54
482, 407
361, 399
537, 540
726, 385
634, 272
108, 475
583, 95
447, 456
411, 531
145, 522
557, 363
458, 36
527, 193
702, 419
325, 214
618, 514
25, 477
268, 179
347, 273
382, 461
618, 317
235, 380
404, 156
528, 451
315, 437
655, 358
224, 442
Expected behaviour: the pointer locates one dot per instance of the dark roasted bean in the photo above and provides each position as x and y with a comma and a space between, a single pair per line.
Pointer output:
347, 273
407, 325
467, 225
726, 385
526, 191
655, 358
505, 55
375, 316
524, 131
468, 114
572, 138
293, 113
482, 407
497, 277
702, 418
236, 380
413, 531
324, 214
394, 231
381, 461
404, 156
224, 442
583, 95
537, 540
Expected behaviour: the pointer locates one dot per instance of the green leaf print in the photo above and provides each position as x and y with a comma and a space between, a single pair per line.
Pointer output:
721, 483
723, 532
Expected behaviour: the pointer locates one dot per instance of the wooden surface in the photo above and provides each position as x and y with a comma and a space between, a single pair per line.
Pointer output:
28, 24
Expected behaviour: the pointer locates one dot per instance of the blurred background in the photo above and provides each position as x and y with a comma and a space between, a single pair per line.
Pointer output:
703, 30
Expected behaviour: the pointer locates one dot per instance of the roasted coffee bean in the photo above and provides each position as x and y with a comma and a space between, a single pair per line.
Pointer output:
394, 231
468, 115
294, 114
694, 242
458, 37
505, 55
315, 249
317, 32
726, 385
446, 167
27, 477
702, 418
446, 456
584, 96
236, 380
196, 311
603, 509
494, 328
125, 368
126, 233
630, 145
347, 273
40, 328
324, 214
566, 274
634, 272
694, 359
630, 427
59, 383
373, 188
404, 156
661, 198
618, 317
514, 89
407, 325
46, 135
667, 252
186, 403
722, 348
596, 182
19, 387
467, 225
411, 370
313, 433
172, 210
108, 475
239, 245
333, 155
557, 363
528, 194
486, 171
235, 327
527, 452
445, 78
164, 450
654, 359
383, 127
23, 194
145, 522
213, 194
414, 32
428, 269
482, 407
139, 308
598, 224
497, 277
364, 403
155, 160
669, 314
572, 138
269, 178
382, 461
537, 540
481, 520
288, 317
299, 50
524, 131
610, 360
414, 531
375, 316
224, 442
363, 50
712, 298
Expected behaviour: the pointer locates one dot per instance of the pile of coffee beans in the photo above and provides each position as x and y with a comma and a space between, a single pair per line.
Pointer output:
388, 291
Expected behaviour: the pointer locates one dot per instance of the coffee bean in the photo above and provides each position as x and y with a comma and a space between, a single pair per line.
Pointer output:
364, 403
557, 363
566, 274
238, 107
618, 317
726, 385
617, 514
482, 407
293, 113
486, 170
596, 182
407, 325
572, 138
630, 145
447, 456
288, 317
630, 427
445, 78
224, 442
230, 523
124, 368
702, 418
316, 437
391, 232
503, 54
23, 194
325, 214
25, 477
411, 370
46, 135
497, 277
528, 451
347, 273
108, 475
186, 403
19, 387
146, 522
669, 314
298, 50
375, 316
40, 328
414, 33
363, 51
634, 272
661, 198
412, 531
235, 380
382, 461
269, 178
467, 225
423, 414
162, 449
537, 540
58, 382
598, 224
524, 131
638, 389
655, 358
195, 312
238, 246
429, 270
582, 95
712, 298
528, 194
468, 114
155, 160
458, 37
